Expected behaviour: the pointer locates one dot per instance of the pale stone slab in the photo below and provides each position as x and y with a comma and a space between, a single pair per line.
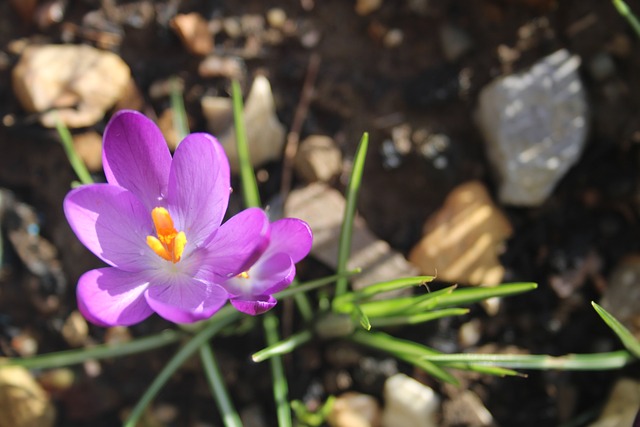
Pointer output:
408, 402
77, 83
322, 208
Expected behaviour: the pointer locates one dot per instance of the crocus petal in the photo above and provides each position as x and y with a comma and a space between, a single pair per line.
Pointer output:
112, 297
269, 275
291, 236
199, 186
135, 156
235, 246
112, 223
254, 306
185, 300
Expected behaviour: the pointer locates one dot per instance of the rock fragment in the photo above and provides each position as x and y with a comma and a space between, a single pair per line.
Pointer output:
535, 127
353, 409
408, 402
23, 403
318, 159
463, 239
193, 31
76, 83
622, 406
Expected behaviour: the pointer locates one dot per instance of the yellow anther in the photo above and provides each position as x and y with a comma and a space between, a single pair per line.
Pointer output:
169, 243
244, 275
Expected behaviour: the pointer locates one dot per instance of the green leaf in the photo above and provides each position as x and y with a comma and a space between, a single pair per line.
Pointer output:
103, 351
346, 231
229, 414
283, 347
76, 162
391, 285
466, 296
280, 385
414, 319
626, 13
250, 191
403, 305
223, 318
628, 340
408, 351
180, 122
597, 361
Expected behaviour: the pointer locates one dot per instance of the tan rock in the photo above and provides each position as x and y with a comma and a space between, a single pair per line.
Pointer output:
318, 159
354, 410
193, 31
463, 239
265, 134
322, 208
622, 406
75, 329
76, 83
365, 7
23, 403
218, 111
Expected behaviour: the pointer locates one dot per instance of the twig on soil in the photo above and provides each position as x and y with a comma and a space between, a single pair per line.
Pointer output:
293, 137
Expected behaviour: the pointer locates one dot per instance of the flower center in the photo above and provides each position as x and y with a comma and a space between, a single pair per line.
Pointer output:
170, 243
243, 275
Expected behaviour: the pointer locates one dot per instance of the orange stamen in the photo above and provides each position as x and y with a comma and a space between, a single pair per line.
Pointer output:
170, 243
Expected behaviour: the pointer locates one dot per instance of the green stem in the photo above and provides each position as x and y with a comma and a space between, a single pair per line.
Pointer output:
626, 13
280, 386
230, 416
346, 231
247, 177
224, 317
180, 121
76, 163
283, 347
103, 351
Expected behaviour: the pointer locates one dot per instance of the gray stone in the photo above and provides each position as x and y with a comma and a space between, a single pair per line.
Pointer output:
534, 125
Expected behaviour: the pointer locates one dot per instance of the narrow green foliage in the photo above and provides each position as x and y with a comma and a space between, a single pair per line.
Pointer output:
247, 177
180, 121
314, 284
76, 162
408, 351
391, 285
403, 305
280, 386
103, 351
468, 296
414, 319
230, 416
626, 13
572, 362
283, 347
312, 419
628, 340
223, 318
346, 231
362, 318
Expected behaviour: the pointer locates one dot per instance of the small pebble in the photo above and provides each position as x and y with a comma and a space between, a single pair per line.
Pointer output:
75, 329
601, 66
393, 38
276, 17
365, 7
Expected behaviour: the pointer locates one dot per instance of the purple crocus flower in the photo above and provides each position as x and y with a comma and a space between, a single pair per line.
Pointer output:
157, 224
251, 291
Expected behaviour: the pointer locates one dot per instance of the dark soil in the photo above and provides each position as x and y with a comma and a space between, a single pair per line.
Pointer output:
362, 85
